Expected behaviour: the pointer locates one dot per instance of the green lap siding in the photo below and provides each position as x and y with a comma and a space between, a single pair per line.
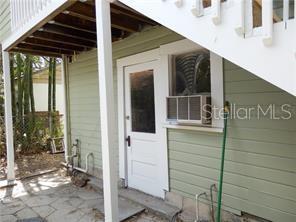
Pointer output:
260, 167
260, 163
4, 19
84, 91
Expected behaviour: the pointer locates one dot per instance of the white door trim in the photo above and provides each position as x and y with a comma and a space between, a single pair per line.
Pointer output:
148, 56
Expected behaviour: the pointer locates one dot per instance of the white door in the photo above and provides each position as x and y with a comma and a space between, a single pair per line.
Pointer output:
143, 128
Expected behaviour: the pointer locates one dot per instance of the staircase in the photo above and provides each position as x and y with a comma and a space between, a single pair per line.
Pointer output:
227, 28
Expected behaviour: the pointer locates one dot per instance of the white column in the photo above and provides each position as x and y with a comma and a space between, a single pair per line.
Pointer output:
286, 11
240, 21
267, 21
65, 107
216, 11
104, 45
8, 117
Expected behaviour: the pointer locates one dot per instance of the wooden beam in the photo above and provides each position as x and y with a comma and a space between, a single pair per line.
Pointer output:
40, 42
44, 48
120, 18
63, 39
35, 52
124, 23
37, 22
82, 10
115, 9
75, 23
70, 32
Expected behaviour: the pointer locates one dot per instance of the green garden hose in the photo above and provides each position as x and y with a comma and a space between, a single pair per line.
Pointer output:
226, 114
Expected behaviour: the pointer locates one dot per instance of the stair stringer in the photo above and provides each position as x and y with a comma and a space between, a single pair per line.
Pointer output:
276, 63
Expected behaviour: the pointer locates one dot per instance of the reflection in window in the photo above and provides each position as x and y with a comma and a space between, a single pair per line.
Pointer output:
192, 74
142, 101
291, 9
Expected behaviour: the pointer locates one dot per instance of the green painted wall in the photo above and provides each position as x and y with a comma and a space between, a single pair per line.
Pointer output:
4, 19
260, 168
83, 84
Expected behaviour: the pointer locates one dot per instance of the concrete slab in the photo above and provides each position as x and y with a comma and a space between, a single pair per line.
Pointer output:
154, 204
126, 210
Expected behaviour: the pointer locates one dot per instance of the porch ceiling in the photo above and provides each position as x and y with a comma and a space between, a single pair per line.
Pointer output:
74, 30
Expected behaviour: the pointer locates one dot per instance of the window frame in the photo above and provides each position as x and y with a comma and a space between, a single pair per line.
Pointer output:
217, 80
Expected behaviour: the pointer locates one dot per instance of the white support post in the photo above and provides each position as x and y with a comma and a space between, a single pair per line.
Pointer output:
267, 21
240, 26
104, 43
8, 117
66, 106
197, 8
286, 12
295, 9
216, 10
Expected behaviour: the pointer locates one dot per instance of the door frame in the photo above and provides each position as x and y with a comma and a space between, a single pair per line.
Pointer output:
148, 56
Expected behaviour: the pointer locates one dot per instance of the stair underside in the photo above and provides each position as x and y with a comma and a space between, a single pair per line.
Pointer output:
275, 64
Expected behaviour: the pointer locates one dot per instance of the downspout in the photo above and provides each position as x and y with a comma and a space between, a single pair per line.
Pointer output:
226, 113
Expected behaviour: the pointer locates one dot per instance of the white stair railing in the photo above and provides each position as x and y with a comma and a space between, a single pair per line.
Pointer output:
23, 10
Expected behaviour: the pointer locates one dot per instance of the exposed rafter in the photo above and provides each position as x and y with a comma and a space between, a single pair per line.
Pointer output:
73, 29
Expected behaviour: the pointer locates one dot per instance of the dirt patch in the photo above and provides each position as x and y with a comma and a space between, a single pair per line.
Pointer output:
27, 165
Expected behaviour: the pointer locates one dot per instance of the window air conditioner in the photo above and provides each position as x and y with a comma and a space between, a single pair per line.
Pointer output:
195, 109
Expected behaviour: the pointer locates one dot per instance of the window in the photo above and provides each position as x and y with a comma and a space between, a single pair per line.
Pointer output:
191, 88
191, 74
195, 83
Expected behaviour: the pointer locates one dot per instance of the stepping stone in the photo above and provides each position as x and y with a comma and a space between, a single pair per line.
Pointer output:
34, 219
40, 201
11, 207
44, 211
8, 218
26, 213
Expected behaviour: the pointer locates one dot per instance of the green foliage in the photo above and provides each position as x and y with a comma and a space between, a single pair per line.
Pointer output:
31, 129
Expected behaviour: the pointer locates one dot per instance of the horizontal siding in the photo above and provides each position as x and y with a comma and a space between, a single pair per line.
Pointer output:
83, 86
260, 167
4, 19
260, 162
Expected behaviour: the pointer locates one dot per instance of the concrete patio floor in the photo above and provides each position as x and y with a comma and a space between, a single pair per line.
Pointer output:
53, 198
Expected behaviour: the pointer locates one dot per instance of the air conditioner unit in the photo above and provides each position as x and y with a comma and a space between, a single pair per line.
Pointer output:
194, 109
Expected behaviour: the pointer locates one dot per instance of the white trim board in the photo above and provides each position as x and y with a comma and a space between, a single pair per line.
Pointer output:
217, 83
148, 56
163, 54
